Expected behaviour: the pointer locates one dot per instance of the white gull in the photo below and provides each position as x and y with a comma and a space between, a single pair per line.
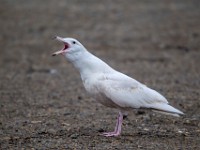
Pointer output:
110, 87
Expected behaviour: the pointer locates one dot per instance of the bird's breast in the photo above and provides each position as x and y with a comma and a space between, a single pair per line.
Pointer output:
93, 90
90, 87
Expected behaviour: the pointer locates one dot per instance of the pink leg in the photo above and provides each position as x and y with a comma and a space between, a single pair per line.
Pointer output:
118, 127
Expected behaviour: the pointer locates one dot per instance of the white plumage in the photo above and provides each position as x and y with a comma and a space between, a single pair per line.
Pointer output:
110, 87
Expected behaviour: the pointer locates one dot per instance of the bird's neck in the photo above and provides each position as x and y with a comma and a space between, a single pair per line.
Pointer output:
88, 65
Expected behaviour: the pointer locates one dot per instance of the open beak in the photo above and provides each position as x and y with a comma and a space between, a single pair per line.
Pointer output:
62, 51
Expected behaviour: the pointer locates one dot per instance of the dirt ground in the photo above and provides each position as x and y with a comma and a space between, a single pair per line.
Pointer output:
43, 104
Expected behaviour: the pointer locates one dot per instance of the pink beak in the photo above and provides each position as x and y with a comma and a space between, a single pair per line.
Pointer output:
57, 53
62, 50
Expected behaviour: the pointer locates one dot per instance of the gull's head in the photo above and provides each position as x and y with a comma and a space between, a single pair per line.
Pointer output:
72, 47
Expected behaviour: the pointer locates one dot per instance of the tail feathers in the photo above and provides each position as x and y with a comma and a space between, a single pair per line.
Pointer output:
166, 113
166, 109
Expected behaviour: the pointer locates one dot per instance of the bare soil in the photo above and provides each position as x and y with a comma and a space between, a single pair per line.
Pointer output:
43, 104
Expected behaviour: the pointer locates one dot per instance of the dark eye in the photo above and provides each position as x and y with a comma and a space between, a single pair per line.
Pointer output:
74, 42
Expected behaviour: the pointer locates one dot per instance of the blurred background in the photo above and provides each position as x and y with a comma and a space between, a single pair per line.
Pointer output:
43, 104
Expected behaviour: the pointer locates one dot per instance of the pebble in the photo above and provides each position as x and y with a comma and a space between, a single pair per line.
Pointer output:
74, 136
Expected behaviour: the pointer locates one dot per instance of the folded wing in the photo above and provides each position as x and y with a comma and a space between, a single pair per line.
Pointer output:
129, 93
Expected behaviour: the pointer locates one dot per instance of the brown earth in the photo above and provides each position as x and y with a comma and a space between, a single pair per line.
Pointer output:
43, 104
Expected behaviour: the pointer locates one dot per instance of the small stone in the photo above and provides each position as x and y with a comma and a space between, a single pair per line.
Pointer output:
146, 129
100, 130
65, 124
53, 71
79, 97
179, 131
74, 136
187, 121
34, 122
